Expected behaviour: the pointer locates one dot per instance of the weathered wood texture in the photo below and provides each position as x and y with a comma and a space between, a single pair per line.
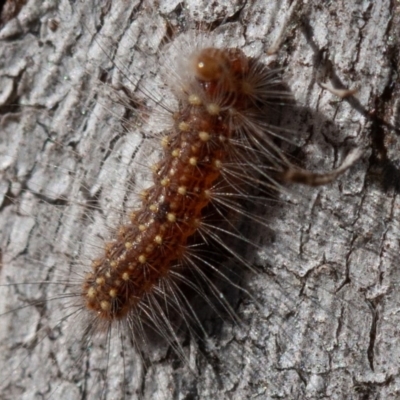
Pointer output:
329, 273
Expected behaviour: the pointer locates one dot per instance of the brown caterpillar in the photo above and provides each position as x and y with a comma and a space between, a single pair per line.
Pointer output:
224, 89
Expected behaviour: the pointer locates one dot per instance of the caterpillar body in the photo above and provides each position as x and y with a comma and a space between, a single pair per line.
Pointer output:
74, 308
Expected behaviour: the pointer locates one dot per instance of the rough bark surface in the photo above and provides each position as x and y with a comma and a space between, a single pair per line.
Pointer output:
329, 274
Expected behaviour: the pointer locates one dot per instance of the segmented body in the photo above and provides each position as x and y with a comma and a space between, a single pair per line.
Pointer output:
194, 153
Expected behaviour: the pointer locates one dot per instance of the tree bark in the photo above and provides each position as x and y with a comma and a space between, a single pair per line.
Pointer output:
322, 317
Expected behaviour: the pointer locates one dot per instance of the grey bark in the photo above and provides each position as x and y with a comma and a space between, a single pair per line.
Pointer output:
328, 281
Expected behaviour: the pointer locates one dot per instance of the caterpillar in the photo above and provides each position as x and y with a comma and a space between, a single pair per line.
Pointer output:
298, 277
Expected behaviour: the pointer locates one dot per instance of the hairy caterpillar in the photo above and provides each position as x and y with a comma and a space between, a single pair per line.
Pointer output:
280, 329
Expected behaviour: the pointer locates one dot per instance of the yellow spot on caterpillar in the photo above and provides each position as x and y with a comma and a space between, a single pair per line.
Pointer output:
193, 161
172, 172
100, 281
155, 168
142, 228
171, 217
204, 136
217, 164
165, 142
184, 126
125, 276
176, 153
91, 293
194, 100
113, 293
182, 190
158, 239
128, 245
213, 109
144, 194
165, 182
207, 194
105, 305
142, 259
